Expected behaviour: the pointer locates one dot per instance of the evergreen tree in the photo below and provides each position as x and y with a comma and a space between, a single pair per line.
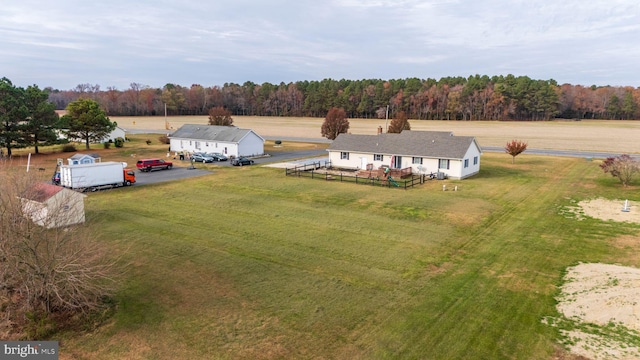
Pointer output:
87, 121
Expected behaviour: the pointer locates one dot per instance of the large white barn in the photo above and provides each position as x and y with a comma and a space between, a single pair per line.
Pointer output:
425, 152
227, 140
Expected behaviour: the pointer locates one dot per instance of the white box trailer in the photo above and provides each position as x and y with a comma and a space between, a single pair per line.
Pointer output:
96, 176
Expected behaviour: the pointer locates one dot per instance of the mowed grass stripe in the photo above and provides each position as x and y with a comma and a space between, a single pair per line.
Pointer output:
247, 263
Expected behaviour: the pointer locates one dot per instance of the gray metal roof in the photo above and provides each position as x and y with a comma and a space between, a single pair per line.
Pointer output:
432, 144
80, 156
230, 134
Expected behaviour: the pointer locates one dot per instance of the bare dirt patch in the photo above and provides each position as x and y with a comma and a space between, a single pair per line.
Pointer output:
611, 210
601, 302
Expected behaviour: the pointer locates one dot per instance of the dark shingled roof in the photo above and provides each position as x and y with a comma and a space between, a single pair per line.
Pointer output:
230, 134
432, 144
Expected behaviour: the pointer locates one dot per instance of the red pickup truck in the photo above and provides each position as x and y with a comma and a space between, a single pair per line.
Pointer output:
151, 164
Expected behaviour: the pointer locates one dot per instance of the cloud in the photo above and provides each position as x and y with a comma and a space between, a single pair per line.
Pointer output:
250, 40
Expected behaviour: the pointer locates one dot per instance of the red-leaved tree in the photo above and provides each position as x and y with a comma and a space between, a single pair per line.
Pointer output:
515, 148
400, 122
335, 123
623, 167
220, 116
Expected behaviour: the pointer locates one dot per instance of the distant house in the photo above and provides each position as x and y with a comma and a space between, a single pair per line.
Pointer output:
111, 137
118, 132
425, 152
227, 140
79, 159
53, 206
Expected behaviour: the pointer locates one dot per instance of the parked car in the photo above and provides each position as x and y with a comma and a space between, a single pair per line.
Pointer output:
202, 157
219, 157
55, 179
241, 161
151, 164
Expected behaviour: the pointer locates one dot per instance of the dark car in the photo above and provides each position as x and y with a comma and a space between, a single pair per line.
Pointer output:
55, 179
218, 157
241, 161
202, 157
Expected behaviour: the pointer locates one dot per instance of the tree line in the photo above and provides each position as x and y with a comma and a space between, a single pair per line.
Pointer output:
451, 98
28, 118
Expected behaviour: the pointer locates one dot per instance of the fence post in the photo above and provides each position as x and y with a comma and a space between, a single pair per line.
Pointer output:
312, 173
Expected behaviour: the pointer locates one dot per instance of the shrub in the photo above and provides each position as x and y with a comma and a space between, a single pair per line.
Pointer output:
106, 145
148, 142
278, 142
119, 142
69, 148
164, 139
623, 167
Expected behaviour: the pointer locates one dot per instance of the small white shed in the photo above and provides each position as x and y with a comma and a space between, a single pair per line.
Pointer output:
80, 159
53, 206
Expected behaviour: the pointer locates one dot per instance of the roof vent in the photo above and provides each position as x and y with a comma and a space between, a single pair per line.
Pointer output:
433, 141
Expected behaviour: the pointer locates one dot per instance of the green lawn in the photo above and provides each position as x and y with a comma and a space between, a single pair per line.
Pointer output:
246, 263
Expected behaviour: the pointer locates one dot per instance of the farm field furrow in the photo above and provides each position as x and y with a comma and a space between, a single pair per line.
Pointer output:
586, 135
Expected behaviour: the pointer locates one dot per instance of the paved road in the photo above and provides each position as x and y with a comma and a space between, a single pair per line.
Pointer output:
177, 172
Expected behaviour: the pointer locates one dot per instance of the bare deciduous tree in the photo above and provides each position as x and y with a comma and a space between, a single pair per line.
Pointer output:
335, 123
47, 270
515, 148
623, 167
220, 116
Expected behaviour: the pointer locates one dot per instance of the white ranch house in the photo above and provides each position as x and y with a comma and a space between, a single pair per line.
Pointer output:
228, 140
425, 152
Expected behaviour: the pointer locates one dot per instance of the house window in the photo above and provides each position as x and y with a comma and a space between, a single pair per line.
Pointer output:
466, 163
443, 164
344, 155
198, 145
417, 160
475, 160
378, 157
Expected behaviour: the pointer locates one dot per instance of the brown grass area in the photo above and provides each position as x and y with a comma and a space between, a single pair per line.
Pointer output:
586, 135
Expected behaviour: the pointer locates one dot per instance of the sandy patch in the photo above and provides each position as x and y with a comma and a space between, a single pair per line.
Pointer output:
601, 302
611, 210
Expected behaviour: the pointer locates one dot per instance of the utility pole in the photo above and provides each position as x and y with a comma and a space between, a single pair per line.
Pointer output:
386, 128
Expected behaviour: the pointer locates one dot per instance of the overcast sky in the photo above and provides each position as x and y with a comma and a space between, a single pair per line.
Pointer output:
114, 43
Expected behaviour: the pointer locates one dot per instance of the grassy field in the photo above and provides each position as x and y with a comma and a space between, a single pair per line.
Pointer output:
246, 263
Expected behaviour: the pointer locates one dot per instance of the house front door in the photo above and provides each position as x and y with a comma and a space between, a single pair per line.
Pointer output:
363, 163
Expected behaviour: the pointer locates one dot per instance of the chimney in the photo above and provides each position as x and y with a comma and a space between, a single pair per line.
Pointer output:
379, 130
